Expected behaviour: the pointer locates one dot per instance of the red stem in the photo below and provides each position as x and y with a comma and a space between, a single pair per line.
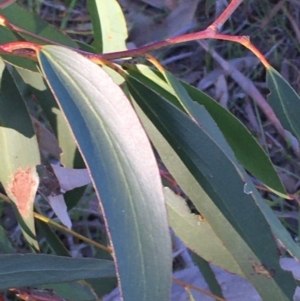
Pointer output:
234, 4
209, 33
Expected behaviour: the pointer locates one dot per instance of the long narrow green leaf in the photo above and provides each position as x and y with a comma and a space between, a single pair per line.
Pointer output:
122, 167
19, 155
55, 117
232, 206
36, 269
195, 192
208, 274
103, 287
198, 235
46, 232
29, 21
70, 156
6, 245
229, 124
109, 25
197, 113
245, 147
284, 101
75, 291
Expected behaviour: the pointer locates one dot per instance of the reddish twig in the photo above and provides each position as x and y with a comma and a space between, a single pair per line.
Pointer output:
209, 33
234, 4
6, 3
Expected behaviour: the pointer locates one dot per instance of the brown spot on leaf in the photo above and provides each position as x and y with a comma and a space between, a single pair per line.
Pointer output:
262, 269
22, 190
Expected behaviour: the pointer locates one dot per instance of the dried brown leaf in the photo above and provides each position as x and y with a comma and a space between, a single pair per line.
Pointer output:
49, 184
46, 140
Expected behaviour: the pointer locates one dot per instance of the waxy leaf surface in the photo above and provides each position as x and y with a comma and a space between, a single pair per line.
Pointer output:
122, 167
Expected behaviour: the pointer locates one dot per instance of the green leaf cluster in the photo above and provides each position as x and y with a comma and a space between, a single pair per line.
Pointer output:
118, 134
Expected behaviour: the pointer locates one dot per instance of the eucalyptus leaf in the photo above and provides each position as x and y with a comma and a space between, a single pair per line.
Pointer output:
109, 134
109, 25
35, 269
245, 147
234, 214
36, 25
19, 155
284, 101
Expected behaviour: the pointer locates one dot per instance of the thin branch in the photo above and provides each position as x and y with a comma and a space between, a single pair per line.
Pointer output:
247, 86
67, 230
251, 90
62, 228
200, 290
216, 25
209, 33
